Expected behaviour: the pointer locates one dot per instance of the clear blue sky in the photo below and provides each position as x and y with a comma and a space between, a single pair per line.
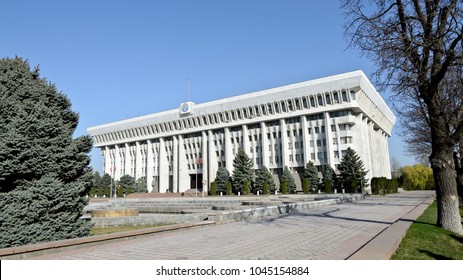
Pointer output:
121, 59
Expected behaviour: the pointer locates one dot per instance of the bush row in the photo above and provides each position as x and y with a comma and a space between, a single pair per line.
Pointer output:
381, 185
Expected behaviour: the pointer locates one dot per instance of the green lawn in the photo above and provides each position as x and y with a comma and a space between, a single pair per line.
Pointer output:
426, 241
98, 231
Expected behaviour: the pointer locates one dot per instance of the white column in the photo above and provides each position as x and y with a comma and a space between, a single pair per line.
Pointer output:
211, 157
265, 151
386, 157
329, 141
228, 150
204, 160
138, 162
149, 165
306, 140
284, 142
163, 167
107, 161
128, 158
175, 165
183, 176
117, 164
246, 143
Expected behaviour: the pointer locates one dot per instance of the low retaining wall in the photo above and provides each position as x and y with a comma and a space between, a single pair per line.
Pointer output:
255, 213
147, 220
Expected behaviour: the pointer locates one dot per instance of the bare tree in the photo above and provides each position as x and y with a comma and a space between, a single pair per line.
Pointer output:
417, 45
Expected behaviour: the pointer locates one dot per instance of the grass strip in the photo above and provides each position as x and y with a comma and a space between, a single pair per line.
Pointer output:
426, 241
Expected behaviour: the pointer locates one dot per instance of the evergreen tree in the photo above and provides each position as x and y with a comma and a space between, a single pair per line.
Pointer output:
107, 184
44, 171
127, 183
352, 172
96, 181
263, 176
328, 179
141, 185
221, 179
311, 173
288, 178
242, 170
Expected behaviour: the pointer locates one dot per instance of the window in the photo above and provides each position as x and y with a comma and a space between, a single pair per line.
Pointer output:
328, 98
344, 96
317, 129
320, 100
336, 97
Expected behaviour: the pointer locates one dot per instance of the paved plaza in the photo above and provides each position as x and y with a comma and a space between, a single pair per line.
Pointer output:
328, 233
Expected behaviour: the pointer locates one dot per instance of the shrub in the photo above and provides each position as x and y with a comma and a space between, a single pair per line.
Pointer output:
246, 189
228, 188
213, 190
120, 191
265, 188
284, 187
306, 185
328, 186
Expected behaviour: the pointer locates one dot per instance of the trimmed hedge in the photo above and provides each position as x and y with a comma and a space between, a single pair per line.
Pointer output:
382, 185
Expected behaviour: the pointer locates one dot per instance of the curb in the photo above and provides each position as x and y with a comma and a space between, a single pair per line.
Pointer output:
386, 243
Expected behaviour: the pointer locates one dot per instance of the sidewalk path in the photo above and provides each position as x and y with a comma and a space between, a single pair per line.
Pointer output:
328, 233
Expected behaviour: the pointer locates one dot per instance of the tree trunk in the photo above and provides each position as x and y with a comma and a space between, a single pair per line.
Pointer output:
445, 175
448, 215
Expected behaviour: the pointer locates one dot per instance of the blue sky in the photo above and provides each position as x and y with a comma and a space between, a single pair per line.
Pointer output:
121, 59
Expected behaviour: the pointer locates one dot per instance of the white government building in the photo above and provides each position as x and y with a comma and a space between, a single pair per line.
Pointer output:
289, 126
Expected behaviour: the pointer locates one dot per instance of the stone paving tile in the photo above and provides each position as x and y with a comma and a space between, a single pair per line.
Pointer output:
331, 232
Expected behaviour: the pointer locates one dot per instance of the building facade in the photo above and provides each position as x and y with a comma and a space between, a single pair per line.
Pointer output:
288, 126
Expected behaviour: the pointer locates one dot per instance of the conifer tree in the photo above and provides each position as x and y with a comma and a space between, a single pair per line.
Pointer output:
107, 184
242, 170
328, 179
141, 185
311, 173
288, 178
127, 183
263, 176
44, 171
352, 172
221, 179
